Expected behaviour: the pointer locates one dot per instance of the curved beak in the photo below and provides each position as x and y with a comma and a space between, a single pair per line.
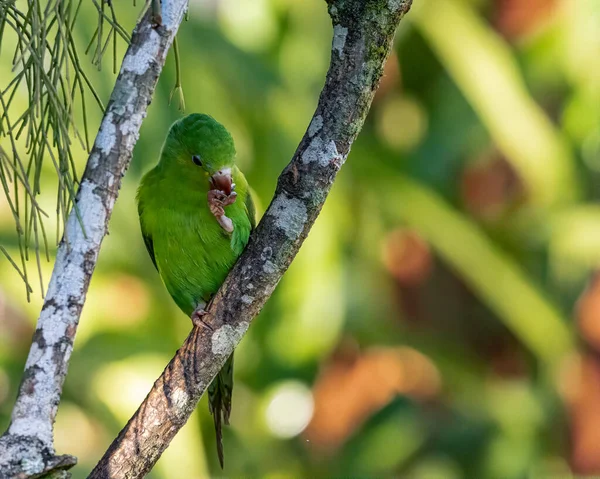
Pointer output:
222, 181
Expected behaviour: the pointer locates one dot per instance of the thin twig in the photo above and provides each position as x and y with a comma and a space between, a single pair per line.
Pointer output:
178, 88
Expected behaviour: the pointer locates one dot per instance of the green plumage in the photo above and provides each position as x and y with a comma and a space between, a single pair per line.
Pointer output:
190, 249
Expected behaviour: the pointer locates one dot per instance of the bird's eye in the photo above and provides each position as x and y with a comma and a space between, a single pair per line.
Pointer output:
197, 161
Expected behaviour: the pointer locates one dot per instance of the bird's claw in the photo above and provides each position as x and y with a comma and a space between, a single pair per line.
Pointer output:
217, 200
216, 209
229, 199
198, 318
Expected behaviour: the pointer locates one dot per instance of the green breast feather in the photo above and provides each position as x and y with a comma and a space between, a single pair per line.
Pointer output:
186, 244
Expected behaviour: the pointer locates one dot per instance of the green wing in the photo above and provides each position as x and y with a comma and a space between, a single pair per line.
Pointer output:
250, 209
149, 247
147, 238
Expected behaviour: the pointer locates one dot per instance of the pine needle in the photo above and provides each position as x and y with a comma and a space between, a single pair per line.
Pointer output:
46, 67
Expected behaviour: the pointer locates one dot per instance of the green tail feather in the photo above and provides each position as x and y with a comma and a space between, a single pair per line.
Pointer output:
219, 402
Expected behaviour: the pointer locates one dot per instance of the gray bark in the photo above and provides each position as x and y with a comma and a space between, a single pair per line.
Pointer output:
27, 447
363, 34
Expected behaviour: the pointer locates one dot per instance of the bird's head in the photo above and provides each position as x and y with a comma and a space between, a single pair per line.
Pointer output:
202, 151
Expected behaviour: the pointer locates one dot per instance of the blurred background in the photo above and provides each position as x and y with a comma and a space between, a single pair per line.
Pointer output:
443, 318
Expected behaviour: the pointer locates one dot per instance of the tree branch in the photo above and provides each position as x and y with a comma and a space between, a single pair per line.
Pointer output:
363, 34
27, 447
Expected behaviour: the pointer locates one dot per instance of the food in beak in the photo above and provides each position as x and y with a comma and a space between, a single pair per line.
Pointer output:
222, 181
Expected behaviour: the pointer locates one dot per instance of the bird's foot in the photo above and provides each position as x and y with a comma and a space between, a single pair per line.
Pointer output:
226, 223
198, 317
230, 199
217, 200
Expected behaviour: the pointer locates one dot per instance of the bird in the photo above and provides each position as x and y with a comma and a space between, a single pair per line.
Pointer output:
196, 214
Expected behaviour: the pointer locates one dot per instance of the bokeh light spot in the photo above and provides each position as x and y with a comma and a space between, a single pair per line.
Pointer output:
402, 123
123, 385
290, 409
248, 23
77, 432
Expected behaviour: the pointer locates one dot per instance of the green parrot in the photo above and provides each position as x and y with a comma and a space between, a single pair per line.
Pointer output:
196, 215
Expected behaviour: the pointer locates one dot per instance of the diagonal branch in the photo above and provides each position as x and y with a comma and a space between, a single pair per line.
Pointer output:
27, 448
363, 34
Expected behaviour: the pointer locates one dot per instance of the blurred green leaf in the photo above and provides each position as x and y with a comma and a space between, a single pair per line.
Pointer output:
493, 275
485, 70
